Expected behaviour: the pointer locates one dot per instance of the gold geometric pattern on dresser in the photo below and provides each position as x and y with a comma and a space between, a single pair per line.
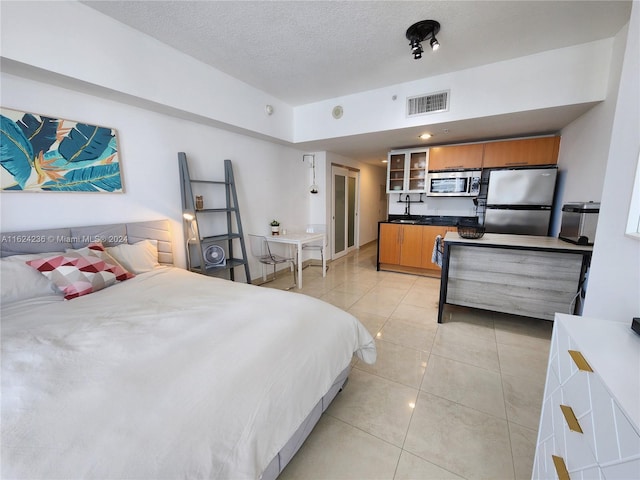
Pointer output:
583, 432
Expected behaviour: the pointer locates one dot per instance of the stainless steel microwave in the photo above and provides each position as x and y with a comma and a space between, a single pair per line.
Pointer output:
454, 184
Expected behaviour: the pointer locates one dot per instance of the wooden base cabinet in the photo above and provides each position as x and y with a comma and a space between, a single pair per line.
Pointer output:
409, 248
590, 420
429, 234
400, 245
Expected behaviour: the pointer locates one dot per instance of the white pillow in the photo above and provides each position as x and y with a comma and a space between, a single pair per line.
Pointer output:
18, 281
140, 257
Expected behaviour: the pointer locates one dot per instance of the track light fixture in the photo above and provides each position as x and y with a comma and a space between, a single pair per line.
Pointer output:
419, 32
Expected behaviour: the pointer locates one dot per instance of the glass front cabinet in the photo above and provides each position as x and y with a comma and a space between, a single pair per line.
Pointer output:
407, 171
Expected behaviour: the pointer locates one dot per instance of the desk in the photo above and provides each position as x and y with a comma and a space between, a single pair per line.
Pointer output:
299, 239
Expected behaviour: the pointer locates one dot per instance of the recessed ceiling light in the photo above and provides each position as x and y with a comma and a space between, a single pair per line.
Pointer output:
384, 161
425, 136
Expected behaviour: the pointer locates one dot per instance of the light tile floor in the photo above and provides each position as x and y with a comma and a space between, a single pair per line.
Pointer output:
454, 400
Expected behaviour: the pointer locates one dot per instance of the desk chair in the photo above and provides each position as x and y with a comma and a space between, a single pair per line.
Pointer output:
315, 228
262, 252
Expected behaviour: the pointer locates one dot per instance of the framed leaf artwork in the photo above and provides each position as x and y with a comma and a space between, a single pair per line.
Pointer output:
45, 154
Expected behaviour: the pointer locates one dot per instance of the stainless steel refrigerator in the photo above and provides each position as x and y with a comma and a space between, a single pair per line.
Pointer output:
520, 201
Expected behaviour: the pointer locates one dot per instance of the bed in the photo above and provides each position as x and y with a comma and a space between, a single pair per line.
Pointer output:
164, 374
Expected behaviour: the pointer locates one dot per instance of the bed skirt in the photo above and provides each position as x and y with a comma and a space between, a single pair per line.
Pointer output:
285, 455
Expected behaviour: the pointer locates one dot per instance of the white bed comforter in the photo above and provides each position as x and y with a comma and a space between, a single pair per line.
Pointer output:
167, 375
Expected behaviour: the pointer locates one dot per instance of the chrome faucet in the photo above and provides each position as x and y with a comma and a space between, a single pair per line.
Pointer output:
407, 209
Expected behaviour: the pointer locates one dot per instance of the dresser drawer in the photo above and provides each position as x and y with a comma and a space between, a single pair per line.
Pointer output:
629, 469
569, 359
585, 431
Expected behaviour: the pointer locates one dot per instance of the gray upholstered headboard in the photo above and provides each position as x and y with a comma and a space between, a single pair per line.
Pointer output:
59, 239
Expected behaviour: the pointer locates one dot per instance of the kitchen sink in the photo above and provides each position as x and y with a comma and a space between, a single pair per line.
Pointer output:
403, 220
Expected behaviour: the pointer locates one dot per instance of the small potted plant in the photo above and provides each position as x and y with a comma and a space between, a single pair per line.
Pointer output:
275, 227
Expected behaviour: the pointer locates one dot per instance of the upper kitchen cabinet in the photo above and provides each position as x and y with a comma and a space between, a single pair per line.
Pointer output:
456, 157
521, 153
407, 171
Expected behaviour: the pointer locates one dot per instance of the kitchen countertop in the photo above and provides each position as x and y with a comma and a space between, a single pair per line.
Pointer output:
526, 242
438, 220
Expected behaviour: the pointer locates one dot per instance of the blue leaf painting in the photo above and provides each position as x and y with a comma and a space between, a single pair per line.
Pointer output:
85, 142
16, 152
104, 178
41, 132
40, 153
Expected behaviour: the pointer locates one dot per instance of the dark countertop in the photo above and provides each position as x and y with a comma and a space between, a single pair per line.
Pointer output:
438, 220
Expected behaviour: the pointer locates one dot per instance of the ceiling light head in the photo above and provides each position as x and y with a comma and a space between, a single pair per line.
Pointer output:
425, 136
418, 32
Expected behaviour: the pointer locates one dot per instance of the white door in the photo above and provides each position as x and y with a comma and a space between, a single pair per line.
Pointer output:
344, 210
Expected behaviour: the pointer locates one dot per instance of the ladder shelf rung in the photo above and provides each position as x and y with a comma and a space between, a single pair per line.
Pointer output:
211, 182
216, 210
217, 238
230, 263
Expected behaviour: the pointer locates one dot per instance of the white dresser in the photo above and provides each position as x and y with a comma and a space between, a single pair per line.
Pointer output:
590, 421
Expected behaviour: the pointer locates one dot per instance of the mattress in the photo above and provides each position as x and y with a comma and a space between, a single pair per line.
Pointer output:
170, 374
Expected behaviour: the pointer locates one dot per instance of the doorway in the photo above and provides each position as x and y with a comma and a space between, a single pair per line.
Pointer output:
344, 210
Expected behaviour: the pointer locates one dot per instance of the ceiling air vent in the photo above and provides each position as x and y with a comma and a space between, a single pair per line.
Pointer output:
431, 103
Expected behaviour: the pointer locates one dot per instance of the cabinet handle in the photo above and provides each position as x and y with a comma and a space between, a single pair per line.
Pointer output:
571, 419
516, 163
561, 468
580, 361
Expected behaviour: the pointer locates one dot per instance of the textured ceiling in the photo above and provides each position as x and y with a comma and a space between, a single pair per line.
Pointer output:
307, 51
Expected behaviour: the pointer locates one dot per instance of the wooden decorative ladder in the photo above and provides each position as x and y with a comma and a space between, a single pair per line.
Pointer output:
197, 220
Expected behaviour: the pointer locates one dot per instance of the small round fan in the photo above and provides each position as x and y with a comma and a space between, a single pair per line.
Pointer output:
214, 256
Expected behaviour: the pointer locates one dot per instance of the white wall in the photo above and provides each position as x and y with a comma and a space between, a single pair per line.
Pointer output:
584, 146
94, 49
566, 76
272, 179
614, 284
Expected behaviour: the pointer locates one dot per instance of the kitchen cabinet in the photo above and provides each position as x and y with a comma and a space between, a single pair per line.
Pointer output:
429, 234
400, 244
407, 171
389, 243
523, 275
409, 248
456, 157
590, 420
521, 153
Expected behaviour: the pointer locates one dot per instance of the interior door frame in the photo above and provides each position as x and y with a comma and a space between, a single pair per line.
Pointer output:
347, 172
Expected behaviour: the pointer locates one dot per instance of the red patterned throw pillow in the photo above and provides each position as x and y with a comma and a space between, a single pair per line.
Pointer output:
76, 275
97, 249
